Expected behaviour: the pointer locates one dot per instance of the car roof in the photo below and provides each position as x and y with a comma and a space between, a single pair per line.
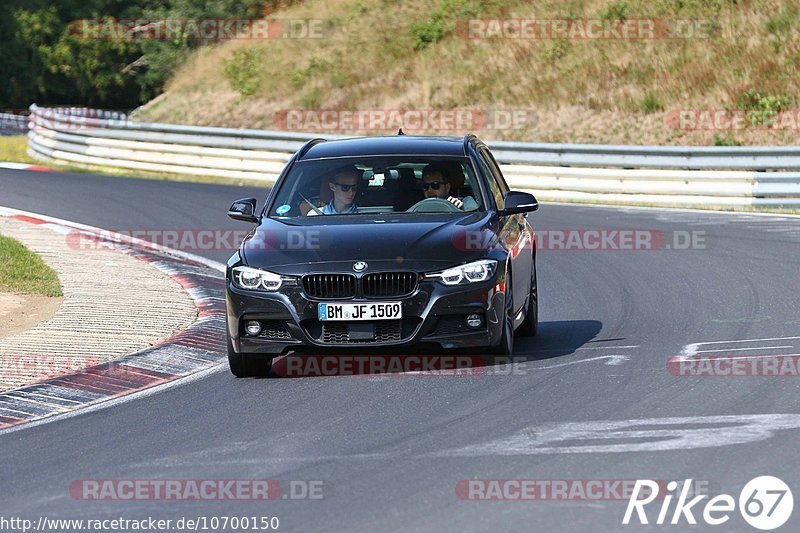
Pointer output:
389, 145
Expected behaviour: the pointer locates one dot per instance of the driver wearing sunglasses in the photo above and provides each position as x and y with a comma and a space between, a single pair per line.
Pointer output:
436, 184
344, 185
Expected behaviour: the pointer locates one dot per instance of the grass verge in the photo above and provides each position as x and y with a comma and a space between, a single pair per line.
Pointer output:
14, 148
24, 272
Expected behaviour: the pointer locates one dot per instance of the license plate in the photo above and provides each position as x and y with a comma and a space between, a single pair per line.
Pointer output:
366, 311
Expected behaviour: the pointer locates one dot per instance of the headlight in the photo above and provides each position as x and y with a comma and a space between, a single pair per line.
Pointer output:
256, 280
469, 273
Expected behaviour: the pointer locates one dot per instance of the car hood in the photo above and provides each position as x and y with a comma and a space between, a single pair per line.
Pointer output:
297, 246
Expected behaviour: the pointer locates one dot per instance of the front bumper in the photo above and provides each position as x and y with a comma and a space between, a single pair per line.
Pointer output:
433, 314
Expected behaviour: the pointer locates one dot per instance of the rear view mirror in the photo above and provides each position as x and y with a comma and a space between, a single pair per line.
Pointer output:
519, 202
244, 210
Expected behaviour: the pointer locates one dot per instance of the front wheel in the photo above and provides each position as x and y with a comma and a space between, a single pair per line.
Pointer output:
530, 326
506, 346
247, 366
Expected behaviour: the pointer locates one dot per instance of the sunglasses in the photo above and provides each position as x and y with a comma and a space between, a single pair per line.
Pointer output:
345, 187
432, 185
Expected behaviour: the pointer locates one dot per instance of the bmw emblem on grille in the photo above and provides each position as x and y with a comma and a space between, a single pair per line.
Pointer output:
360, 266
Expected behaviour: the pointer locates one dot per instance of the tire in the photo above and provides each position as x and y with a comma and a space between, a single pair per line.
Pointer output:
506, 346
530, 326
247, 366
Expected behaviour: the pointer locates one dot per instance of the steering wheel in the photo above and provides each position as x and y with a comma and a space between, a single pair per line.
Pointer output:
306, 204
433, 205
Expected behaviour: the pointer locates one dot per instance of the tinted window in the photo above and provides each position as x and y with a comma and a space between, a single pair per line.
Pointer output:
496, 170
373, 185
492, 181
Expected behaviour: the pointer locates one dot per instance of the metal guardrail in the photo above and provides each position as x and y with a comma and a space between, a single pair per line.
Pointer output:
671, 157
681, 176
11, 124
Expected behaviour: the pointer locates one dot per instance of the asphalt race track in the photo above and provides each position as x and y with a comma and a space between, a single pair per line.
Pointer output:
390, 451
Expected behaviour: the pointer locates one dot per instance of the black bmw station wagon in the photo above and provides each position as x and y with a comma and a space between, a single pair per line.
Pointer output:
382, 242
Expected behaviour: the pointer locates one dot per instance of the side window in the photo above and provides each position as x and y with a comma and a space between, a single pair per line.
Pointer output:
496, 170
491, 179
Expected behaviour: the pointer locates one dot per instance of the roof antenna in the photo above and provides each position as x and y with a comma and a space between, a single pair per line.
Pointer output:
400, 131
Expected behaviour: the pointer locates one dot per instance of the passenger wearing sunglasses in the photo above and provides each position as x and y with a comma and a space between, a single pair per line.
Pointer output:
436, 184
344, 185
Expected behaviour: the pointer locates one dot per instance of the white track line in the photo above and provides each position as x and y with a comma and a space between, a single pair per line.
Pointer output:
746, 357
606, 347
612, 360
745, 349
676, 210
14, 166
692, 349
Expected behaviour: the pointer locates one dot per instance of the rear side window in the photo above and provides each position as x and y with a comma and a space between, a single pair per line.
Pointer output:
501, 181
491, 179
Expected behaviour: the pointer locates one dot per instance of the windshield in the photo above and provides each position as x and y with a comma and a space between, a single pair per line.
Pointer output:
377, 185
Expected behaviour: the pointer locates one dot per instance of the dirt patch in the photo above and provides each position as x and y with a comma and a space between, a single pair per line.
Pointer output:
20, 312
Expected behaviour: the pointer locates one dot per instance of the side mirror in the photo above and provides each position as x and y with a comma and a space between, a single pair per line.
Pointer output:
519, 202
244, 210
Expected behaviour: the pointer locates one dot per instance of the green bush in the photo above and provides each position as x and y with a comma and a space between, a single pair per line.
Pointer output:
557, 49
311, 99
727, 140
242, 70
430, 31
650, 104
783, 22
356, 10
616, 11
300, 77
442, 20
763, 109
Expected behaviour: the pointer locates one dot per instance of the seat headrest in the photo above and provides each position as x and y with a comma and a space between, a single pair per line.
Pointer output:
455, 173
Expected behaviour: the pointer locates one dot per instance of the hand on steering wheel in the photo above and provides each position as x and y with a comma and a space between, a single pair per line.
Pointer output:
433, 205
455, 201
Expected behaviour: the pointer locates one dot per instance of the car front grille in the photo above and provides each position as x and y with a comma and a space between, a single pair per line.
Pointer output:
389, 284
338, 332
330, 285
377, 285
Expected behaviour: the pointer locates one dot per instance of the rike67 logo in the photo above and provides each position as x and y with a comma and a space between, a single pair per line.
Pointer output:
765, 503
